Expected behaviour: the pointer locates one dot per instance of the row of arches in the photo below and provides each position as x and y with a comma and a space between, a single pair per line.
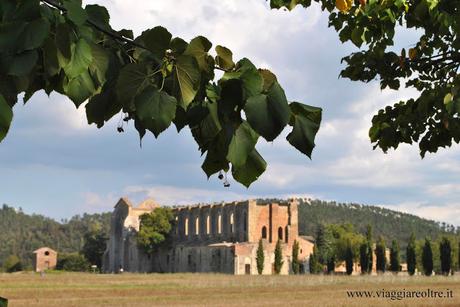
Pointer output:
281, 236
207, 228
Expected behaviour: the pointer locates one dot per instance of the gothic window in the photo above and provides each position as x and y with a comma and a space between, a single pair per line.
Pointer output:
197, 225
280, 233
186, 226
264, 232
286, 234
208, 225
219, 223
232, 224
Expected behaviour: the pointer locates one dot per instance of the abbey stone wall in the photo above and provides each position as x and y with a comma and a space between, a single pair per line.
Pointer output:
208, 238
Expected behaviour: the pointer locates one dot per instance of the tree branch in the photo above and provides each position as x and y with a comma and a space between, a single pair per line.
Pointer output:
110, 33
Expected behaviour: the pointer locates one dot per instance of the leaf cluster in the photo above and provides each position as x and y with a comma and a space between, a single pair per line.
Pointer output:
153, 79
430, 65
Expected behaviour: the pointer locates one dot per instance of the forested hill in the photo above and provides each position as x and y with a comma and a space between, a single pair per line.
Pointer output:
21, 234
388, 223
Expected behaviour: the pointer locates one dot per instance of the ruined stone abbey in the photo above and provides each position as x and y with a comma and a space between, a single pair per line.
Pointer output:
208, 238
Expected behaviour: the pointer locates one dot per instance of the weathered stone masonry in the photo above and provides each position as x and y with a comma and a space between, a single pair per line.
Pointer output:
208, 238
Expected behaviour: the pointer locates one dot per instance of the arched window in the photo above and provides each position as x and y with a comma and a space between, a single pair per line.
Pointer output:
232, 224
280, 233
186, 226
219, 223
176, 226
264, 232
197, 225
208, 225
286, 234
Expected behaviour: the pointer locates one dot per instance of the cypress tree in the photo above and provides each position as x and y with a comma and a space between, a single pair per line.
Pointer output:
427, 258
260, 257
458, 260
380, 255
411, 255
363, 259
369, 253
394, 257
445, 251
295, 258
349, 258
331, 264
315, 266
278, 257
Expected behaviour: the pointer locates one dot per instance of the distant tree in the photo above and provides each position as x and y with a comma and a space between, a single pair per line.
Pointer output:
369, 249
427, 258
331, 264
381, 255
349, 259
395, 264
12, 264
295, 258
72, 262
95, 242
154, 229
445, 251
315, 266
260, 257
411, 255
458, 253
278, 257
363, 259
365, 252
324, 244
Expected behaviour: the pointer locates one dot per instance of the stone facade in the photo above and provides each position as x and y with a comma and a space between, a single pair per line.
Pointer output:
45, 259
208, 238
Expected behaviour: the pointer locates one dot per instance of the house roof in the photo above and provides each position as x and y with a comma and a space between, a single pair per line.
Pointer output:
44, 249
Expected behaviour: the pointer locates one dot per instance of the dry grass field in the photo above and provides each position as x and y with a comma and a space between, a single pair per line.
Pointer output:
78, 289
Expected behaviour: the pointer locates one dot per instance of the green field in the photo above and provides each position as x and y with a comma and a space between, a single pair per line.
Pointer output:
79, 289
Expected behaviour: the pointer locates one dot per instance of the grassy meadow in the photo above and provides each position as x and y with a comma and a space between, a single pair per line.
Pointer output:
80, 289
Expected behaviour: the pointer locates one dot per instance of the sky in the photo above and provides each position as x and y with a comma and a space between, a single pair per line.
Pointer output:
55, 164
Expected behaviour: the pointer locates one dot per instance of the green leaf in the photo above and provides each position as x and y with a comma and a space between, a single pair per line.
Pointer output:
100, 64
22, 64
132, 80
306, 121
18, 36
268, 114
268, 77
250, 77
198, 48
6, 116
188, 77
50, 58
99, 15
103, 106
64, 43
80, 88
224, 58
81, 59
254, 166
157, 40
75, 12
155, 109
242, 144
208, 126
215, 160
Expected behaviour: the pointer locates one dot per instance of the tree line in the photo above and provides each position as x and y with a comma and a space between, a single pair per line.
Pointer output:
340, 245
79, 241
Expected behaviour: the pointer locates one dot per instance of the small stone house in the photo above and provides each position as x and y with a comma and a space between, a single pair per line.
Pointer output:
45, 259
